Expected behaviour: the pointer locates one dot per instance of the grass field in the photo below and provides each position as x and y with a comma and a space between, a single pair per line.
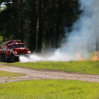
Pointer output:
7, 74
49, 89
53, 89
86, 67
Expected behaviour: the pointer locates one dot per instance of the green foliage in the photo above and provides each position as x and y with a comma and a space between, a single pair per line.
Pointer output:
49, 89
86, 67
5, 20
16, 22
1, 40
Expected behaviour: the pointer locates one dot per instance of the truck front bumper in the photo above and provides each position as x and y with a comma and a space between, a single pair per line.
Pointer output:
22, 55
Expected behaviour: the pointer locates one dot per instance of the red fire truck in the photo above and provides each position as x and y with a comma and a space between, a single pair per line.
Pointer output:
12, 49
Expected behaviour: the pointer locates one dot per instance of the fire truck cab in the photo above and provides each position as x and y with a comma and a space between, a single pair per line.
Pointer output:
12, 49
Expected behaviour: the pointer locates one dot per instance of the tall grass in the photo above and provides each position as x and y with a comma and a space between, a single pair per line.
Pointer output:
49, 89
10, 74
86, 67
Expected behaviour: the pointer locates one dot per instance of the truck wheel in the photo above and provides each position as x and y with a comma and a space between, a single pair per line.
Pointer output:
3, 57
13, 58
16, 59
6, 60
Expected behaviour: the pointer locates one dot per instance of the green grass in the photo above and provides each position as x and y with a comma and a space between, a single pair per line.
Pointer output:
49, 89
86, 67
7, 74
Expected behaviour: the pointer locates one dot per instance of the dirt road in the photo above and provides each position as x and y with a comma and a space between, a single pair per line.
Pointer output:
44, 74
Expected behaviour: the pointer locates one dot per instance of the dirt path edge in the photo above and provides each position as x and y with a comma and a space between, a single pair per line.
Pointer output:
44, 74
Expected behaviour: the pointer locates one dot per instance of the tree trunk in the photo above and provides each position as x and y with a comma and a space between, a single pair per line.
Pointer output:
15, 22
35, 25
40, 33
47, 42
58, 24
22, 36
53, 22
31, 46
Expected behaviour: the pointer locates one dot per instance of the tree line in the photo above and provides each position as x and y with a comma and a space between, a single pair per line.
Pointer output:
40, 23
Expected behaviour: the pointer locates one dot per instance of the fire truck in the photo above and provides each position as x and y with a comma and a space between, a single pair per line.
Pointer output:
12, 49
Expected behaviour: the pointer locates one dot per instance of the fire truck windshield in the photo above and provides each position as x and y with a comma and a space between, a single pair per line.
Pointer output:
17, 46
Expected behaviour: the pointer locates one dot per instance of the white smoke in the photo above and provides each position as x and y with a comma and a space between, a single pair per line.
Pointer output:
81, 40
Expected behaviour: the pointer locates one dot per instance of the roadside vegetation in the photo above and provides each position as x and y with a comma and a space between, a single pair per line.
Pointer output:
86, 67
49, 89
10, 74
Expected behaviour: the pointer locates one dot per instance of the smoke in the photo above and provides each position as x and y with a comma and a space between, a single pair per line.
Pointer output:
81, 40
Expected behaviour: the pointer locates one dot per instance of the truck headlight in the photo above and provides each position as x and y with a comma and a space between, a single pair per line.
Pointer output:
15, 53
29, 52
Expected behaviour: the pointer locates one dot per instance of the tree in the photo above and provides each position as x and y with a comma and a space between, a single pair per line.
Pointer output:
58, 23
40, 33
33, 25
39, 23
22, 36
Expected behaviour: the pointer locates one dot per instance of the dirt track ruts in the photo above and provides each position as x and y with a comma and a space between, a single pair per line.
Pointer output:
44, 74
